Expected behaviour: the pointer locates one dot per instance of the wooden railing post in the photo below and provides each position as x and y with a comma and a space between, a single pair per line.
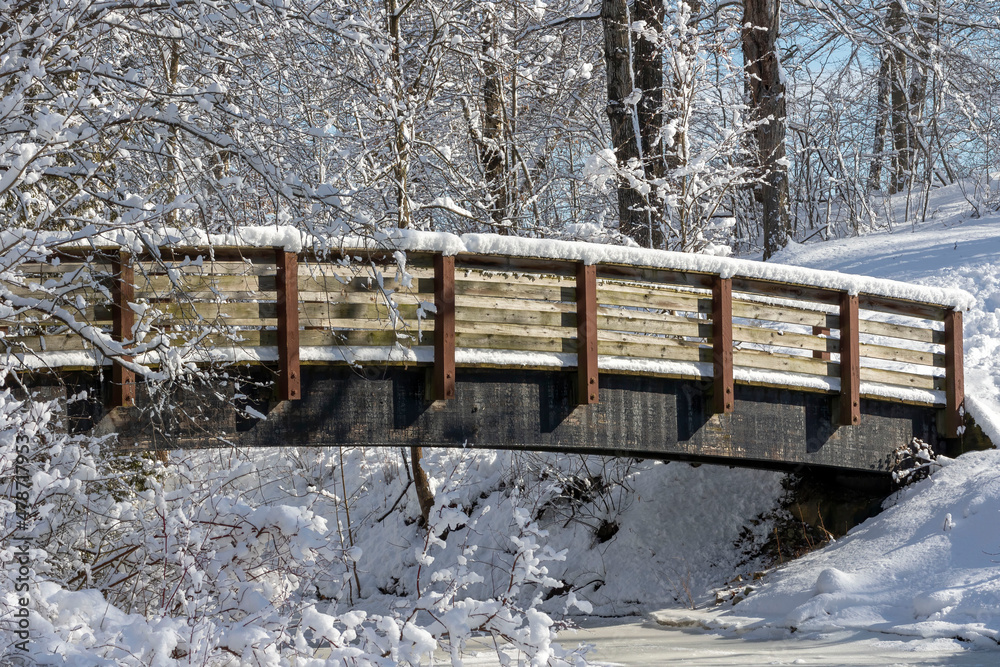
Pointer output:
850, 361
954, 382
123, 319
723, 401
444, 327
586, 333
287, 280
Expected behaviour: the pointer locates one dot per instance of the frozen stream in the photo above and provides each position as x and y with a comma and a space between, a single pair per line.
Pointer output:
630, 642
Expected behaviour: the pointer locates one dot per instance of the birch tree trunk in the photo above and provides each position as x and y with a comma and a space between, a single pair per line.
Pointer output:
767, 91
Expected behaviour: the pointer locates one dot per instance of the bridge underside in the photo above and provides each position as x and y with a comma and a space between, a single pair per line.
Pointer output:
638, 416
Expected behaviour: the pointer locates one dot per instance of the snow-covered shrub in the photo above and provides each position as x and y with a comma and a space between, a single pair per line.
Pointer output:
212, 560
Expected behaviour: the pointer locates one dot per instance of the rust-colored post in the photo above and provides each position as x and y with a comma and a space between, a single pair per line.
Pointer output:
287, 280
850, 361
122, 321
444, 327
586, 333
821, 354
954, 382
722, 345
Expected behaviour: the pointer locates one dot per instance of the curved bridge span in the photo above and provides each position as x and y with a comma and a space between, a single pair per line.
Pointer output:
518, 344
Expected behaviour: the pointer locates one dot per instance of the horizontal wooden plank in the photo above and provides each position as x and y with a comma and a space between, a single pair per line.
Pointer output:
786, 314
512, 304
49, 343
673, 325
532, 292
784, 362
532, 331
749, 334
192, 285
901, 307
560, 267
312, 286
516, 277
625, 337
661, 349
325, 338
903, 331
95, 315
887, 353
653, 299
257, 267
654, 276
805, 293
516, 316
513, 342
901, 379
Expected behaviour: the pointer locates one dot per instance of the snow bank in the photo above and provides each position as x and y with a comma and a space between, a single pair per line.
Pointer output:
928, 566
925, 567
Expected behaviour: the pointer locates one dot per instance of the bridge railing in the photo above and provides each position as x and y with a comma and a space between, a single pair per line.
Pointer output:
494, 311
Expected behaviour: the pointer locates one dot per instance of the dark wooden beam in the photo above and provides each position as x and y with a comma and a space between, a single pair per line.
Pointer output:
444, 327
954, 373
722, 345
850, 361
287, 285
122, 321
586, 333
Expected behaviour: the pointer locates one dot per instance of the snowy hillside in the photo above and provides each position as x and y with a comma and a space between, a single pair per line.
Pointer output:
929, 565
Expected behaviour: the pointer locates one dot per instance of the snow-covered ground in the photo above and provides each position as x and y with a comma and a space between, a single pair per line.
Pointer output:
928, 566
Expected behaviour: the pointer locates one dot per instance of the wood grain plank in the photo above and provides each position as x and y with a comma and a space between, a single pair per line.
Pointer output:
587, 347
891, 330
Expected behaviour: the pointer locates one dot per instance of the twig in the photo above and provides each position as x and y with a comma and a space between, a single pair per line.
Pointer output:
405, 488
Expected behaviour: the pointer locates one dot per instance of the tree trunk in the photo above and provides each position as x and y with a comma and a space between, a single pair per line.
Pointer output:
767, 89
633, 213
493, 153
422, 485
916, 137
881, 120
898, 94
647, 63
401, 119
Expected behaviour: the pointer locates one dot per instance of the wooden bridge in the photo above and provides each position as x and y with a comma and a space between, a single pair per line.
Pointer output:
531, 345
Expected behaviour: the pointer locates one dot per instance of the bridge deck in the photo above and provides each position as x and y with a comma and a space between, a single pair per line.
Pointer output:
736, 347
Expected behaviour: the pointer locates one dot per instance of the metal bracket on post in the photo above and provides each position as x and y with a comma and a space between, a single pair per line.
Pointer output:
287, 281
954, 381
723, 401
122, 322
850, 361
586, 333
444, 327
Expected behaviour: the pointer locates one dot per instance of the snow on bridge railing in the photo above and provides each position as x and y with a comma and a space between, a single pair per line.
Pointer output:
492, 301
